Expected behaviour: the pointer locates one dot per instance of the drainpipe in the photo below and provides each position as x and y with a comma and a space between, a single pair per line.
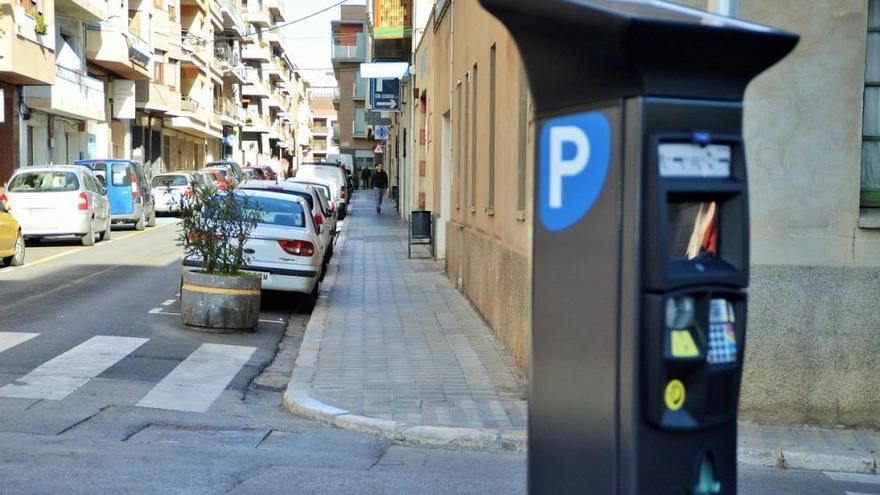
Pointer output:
729, 8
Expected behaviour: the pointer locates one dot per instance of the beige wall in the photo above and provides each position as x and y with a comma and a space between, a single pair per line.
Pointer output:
485, 245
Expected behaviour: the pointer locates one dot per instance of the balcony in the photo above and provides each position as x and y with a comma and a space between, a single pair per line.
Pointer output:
360, 89
157, 96
121, 52
320, 129
318, 144
393, 20
197, 118
336, 132
349, 48
254, 122
257, 14
276, 8
84, 10
229, 111
274, 37
258, 51
230, 10
25, 59
73, 95
254, 84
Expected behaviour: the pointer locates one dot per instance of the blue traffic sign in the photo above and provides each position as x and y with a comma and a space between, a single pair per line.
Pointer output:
381, 133
385, 95
574, 156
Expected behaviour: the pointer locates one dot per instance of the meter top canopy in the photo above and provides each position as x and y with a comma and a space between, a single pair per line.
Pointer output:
582, 51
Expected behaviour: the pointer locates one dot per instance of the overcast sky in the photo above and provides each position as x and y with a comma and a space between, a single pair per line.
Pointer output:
309, 41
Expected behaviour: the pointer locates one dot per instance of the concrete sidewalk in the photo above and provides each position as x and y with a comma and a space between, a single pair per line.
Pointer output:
393, 349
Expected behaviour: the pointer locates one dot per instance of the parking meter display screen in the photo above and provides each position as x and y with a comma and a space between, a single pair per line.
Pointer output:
693, 230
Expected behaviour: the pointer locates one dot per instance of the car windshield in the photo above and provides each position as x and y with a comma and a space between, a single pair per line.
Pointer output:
221, 171
169, 180
44, 182
276, 211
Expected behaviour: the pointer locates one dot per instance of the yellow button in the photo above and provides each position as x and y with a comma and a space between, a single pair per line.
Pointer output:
683, 345
674, 395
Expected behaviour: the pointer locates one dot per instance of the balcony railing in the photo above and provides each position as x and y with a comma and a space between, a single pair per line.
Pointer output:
318, 144
73, 94
320, 129
336, 94
360, 88
226, 53
349, 48
393, 19
336, 132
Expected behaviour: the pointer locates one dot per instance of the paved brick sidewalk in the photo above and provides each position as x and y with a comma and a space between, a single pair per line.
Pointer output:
393, 347
806, 447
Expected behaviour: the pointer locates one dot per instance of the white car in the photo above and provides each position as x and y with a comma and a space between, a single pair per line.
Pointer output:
325, 221
325, 187
169, 188
284, 248
59, 200
330, 172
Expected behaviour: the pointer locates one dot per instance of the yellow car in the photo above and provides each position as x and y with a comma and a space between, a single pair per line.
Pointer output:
11, 240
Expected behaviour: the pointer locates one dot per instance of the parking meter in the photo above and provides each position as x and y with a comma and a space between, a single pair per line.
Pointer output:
640, 245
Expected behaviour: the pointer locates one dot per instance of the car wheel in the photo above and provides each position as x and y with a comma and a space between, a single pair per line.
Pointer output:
105, 234
309, 301
89, 238
17, 258
139, 225
152, 221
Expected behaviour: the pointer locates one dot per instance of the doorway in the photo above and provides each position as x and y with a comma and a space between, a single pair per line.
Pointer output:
445, 185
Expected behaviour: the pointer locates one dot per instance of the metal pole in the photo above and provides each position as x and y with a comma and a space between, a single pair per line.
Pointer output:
729, 8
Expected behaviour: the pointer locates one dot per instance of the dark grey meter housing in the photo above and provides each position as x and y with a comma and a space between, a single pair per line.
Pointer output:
577, 51
641, 245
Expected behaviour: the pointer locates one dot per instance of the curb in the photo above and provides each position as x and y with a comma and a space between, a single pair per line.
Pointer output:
298, 400
845, 461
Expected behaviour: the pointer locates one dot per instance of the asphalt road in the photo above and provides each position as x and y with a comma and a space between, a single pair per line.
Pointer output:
102, 391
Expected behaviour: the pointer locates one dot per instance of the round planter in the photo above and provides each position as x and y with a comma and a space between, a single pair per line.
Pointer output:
219, 303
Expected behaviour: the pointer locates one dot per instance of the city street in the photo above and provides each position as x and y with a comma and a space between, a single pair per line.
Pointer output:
99, 392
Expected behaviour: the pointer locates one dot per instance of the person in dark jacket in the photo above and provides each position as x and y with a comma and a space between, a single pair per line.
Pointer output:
366, 175
380, 182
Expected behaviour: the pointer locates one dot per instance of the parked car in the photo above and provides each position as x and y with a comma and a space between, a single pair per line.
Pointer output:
217, 178
59, 200
334, 173
12, 247
169, 188
237, 172
325, 187
131, 197
284, 249
269, 173
325, 221
227, 175
254, 173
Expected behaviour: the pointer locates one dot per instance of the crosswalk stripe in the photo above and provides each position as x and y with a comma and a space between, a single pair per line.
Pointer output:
859, 493
59, 377
199, 379
870, 479
12, 339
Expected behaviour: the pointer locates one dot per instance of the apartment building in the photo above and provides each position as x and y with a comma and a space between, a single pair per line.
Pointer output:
324, 127
811, 128
161, 81
350, 41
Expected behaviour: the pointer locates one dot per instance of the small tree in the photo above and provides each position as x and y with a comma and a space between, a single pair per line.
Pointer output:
214, 226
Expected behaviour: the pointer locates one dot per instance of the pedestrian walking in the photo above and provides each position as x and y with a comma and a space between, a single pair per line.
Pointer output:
366, 175
380, 181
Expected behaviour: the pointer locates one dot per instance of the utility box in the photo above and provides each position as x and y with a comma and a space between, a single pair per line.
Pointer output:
641, 245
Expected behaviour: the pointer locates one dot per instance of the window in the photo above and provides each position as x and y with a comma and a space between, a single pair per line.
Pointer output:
474, 141
120, 174
522, 136
492, 97
870, 189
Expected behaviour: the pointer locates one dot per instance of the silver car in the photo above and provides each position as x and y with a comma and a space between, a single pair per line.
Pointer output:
169, 188
59, 200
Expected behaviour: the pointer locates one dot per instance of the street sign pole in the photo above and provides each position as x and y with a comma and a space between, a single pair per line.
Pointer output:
640, 252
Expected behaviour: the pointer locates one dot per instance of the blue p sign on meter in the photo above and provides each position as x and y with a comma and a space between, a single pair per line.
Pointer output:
574, 156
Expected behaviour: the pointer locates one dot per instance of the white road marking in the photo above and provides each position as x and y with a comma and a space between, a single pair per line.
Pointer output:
59, 377
858, 493
199, 379
169, 302
158, 311
870, 479
11, 339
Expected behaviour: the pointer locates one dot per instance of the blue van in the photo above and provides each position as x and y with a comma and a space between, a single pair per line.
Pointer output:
131, 198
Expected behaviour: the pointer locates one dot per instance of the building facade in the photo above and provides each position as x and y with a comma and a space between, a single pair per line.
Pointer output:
324, 127
172, 83
811, 126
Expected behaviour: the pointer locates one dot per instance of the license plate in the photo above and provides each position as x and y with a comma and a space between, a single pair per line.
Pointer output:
264, 276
